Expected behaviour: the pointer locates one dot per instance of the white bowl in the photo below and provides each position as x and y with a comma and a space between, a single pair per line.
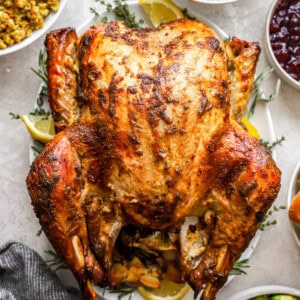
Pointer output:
265, 290
49, 21
270, 54
293, 189
214, 1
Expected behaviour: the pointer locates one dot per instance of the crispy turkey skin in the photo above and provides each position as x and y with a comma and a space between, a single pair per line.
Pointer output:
150, 157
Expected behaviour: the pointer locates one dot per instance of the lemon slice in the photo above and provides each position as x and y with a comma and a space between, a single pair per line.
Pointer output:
168, 290
41, 127
161, 11
250, 128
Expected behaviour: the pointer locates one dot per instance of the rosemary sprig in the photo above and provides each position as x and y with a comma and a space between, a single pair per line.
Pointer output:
271, 145
37, 147
121, 11
266, 220
42, 73
42, 70
55, 261
239, 267
123, 290
258, 94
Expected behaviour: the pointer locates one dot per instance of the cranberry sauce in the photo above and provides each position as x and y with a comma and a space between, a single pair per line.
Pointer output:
285, 36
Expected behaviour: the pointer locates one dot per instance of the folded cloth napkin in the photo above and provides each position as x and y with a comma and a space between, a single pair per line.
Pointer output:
24, 275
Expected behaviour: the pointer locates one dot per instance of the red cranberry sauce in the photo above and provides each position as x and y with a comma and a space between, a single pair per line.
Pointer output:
285, 36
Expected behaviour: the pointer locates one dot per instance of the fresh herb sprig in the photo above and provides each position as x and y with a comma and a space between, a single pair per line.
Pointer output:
239, 267
14, 116
123, 290
272, 145
37, 147
121, 11
42, 70
55, 262
266, 221
42, 73
187, 15
258, 94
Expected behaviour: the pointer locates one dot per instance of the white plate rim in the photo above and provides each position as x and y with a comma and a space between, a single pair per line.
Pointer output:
49, 21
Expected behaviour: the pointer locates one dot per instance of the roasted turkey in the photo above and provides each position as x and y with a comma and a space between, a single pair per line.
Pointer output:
151, 176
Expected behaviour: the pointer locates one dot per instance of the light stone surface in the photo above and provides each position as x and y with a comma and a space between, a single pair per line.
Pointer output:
276, 259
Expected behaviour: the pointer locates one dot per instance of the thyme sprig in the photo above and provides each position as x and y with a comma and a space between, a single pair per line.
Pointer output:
239, 267
266, 220
14, 116
258, 94
272, 145
121, 11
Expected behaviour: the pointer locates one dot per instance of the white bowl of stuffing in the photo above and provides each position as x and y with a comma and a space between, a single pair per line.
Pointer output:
24, 21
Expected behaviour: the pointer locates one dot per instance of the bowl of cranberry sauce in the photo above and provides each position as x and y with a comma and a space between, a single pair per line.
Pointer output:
283, 40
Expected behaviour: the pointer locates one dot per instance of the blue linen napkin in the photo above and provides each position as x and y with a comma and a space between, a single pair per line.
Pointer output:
24, 275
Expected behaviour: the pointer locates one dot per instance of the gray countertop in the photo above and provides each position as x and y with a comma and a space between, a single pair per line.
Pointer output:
276, 259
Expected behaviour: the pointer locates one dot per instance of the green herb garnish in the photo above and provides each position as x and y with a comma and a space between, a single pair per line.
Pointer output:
258, 94
14, 116
266, 220
37, 147
187, 14
121, 11
42, 70
42, 73
39, 233
123, 290
270, 145
239, 267
55, 261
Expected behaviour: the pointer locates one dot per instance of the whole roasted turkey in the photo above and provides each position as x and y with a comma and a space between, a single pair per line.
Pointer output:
151, 176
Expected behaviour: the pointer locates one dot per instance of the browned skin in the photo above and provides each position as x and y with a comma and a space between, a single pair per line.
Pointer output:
241, 61
62, 83
153, 150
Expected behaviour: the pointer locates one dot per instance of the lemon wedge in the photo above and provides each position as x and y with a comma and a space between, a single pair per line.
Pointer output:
252, 130
40, 127
161, 11
168, 290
